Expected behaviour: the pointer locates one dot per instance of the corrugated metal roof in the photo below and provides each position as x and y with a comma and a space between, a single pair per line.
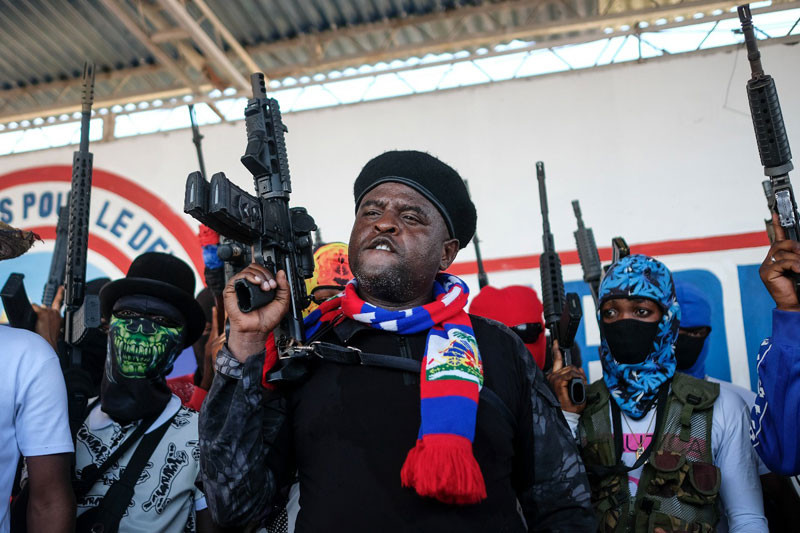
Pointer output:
146, 49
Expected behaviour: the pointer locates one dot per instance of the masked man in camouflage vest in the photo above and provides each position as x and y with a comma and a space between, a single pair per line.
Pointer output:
665, 452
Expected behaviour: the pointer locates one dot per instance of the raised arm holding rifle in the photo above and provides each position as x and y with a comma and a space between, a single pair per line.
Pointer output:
352, 401
775, 428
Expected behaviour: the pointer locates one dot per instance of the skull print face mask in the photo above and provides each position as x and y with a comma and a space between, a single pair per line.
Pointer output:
143, 347
146, 335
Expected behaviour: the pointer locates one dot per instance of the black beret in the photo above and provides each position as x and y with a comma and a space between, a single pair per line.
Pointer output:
435, 180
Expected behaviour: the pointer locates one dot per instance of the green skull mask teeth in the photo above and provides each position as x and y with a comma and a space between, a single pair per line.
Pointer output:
142, 347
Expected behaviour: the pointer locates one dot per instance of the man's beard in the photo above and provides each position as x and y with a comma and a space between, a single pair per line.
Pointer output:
394, 284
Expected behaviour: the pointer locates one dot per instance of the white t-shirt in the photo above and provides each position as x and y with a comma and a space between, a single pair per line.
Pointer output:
165, 498
33, 406
749, 398
732, 453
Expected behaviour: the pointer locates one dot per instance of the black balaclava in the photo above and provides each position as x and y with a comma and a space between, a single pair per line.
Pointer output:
687, 350
145, 336
630, 341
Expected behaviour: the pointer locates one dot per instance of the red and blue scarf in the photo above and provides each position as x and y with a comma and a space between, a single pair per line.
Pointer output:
441, 464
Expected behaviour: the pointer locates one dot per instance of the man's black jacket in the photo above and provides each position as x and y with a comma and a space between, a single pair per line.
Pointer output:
347, 429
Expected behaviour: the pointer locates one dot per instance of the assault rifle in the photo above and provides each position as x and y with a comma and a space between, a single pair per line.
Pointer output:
483, 279
562, 314
58, 263
280, 236
81, 311
587, 253
771, 138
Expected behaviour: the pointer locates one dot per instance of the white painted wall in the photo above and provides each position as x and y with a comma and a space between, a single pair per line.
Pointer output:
652, 151
649, 149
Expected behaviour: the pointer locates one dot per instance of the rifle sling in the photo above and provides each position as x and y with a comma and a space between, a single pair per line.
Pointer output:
334, 353
108, 513
92, 473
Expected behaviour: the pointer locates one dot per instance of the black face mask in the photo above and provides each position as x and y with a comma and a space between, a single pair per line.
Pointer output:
630, 341
687, 350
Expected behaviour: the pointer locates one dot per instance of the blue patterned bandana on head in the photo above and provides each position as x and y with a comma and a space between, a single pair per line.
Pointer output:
634, 386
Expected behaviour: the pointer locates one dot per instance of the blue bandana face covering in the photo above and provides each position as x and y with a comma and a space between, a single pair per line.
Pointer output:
634, 386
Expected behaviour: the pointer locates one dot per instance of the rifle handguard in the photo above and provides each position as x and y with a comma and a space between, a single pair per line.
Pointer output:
773, 144
250, 296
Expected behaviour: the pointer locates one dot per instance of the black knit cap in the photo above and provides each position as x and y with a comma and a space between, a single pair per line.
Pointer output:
163, 276
436, 181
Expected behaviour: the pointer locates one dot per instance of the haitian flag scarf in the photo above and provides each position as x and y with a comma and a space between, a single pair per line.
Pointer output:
441, 465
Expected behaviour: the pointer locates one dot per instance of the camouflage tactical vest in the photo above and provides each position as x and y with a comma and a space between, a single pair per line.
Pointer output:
679, 485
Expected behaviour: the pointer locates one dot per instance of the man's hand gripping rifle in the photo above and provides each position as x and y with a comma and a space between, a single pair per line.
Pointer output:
562, 314
280, 236
773, 144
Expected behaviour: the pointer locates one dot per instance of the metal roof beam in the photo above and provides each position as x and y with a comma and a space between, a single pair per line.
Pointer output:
466, 41
119, 12
227, 36
581, 29
206, 43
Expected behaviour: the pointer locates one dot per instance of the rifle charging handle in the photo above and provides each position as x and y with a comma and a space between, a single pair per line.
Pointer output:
250, 296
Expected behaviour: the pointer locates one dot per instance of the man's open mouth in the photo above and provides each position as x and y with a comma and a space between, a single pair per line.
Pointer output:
383, 244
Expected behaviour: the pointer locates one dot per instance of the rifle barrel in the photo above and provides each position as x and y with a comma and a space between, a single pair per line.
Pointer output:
483, 279
753, 55
86, 104
197, 139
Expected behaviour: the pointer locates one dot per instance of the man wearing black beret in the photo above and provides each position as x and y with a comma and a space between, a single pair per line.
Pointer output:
470, 439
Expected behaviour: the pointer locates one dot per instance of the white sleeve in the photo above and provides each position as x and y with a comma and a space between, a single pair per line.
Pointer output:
199, 499
200, 505
41, 420
572, 419
740, 490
